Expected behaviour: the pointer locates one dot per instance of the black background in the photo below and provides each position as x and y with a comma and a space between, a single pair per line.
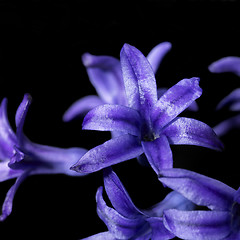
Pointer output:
41, 44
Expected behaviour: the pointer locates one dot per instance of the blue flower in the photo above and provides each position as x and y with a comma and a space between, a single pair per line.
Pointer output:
148, 124
19, 157
221, 221
126, 221
228, 64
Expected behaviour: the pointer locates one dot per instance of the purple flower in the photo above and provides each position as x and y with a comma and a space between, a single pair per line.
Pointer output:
147, 124
221, 221
19, 157
228, 64
125, 220
105, 75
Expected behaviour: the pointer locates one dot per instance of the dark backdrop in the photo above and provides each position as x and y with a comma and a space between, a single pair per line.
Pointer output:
41, 44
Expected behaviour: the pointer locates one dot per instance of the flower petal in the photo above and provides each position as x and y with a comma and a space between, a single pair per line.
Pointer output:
7, 136
174, 101
226, 126
81, 107
201, 190
8, 202
159, 153
121, 227
118, 195
139, 80
7, 173
101, 236
199, 225
232, 99
109, 117
226, 64
159, 231
105, 75
192, 132
157, 54
114, 151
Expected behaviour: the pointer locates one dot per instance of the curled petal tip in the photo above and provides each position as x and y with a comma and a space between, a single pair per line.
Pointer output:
87, 59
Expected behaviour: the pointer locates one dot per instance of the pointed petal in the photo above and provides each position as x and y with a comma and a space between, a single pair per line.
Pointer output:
174, 101
109, 117
192, 132
159, 153
157, 54
8, 202
7, 136
114, 151
121, 227
226, 64
139, 80
159, 231
118, 195
81, 107
173, 200
226, 126
199, 225
201, 190
232, 99
101, 236
105, 75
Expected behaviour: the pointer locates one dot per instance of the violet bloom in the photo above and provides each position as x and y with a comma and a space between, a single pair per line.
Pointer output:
221, 221
228, 64
148, 124
105, 75
19, 157
126, 221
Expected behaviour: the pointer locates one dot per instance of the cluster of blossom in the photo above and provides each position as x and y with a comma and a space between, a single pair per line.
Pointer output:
144, 123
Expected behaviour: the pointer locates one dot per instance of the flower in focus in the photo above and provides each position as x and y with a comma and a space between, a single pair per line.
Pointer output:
148, 124
221, 221
19, 157
228, 64
105, 75
125, 220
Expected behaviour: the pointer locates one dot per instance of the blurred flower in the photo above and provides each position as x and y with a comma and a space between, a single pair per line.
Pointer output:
125, 220
147, 124
221, 221
19, 157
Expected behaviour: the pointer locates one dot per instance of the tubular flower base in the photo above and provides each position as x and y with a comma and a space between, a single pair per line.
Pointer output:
19, 157
126, 221
148, 124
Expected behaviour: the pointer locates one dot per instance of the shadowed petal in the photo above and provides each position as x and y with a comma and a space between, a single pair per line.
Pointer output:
227, 125
7, 173
158, 153
118, 195
233, 99
7, 136
174, 101
105, 75
109, 117
81, 107
157, 54
8, 202
159, 231
116, 150
192, 132
201, 190
226, 64
101, 236
139, 80
121, 227
199, 225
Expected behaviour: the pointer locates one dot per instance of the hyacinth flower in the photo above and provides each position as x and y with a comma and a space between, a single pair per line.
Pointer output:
148, 124
105, 75
125, 220
228, 64
222, 218
19, 157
